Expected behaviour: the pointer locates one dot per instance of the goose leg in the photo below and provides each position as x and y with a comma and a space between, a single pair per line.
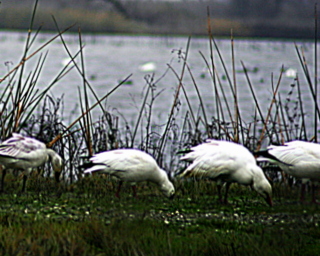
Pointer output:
219, 186
313, 191
24, 181
119, 188
4, 172
134, 190
226, 193
303, 190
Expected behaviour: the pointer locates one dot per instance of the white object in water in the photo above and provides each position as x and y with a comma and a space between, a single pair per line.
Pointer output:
291, 73
148, 67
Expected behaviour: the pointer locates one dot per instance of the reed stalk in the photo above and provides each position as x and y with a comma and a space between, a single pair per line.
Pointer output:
305, 69
281, 140
59, 136
273, 100
185, 93
303, 133
284, 120
140, 115
218, 101
22, 62
23, 97
72, 60
213, 67
208, 131
175, 101
253, 94
150, 83
235, 92
315, 69
231, 86
86, 118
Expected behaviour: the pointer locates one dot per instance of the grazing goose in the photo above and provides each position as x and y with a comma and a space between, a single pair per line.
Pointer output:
131, 165
227, 162
24, 153
300, 159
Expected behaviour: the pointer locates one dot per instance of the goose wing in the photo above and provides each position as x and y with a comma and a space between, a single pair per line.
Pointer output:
307, 149
214, 159
300, 161
20, 147
292, 155
210, 166
125, 160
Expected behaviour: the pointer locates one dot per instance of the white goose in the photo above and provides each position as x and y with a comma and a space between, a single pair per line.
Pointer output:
131, 165
300, 159
24, 153
227, 162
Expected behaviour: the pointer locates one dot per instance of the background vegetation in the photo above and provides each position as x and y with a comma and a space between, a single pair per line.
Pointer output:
271, 18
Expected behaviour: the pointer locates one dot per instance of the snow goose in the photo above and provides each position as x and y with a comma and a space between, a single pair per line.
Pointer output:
24, 153
131, 165
299, 159
227, 162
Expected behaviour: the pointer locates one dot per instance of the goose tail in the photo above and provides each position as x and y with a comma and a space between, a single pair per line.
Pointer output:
264, 155
91, 167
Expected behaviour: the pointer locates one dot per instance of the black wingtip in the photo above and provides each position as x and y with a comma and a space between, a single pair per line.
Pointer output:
184, 151
85, 166
266, 154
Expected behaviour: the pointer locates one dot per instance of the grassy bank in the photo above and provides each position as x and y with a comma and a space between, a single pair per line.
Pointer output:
90, 220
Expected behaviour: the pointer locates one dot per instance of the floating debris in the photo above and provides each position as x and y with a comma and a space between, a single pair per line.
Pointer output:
291, 73
148, 67
127, 82
248, 70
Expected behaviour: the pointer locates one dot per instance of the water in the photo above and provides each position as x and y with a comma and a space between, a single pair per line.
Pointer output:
109, 59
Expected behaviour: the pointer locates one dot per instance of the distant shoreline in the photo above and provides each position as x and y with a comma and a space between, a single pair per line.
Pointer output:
106, 22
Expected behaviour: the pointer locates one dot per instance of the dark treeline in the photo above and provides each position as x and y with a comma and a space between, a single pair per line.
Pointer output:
266, 18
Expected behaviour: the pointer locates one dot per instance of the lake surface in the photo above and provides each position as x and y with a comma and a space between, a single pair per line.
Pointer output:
111, 58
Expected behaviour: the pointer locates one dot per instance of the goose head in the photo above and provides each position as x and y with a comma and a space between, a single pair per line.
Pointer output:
262, 186
167, 189
165, 184
56, 162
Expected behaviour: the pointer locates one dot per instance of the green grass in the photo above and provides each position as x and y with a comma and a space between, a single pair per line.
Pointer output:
87, 219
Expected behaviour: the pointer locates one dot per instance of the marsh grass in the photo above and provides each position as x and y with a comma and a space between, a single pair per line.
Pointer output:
94, 222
